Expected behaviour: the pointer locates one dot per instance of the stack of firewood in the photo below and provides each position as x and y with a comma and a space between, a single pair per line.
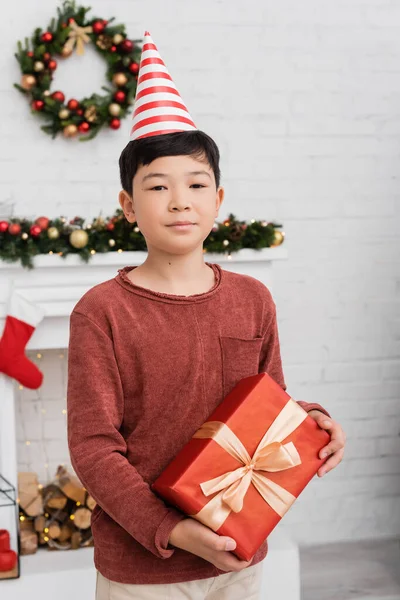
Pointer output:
56, 515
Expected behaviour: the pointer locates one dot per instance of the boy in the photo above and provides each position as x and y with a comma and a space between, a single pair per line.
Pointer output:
153, 352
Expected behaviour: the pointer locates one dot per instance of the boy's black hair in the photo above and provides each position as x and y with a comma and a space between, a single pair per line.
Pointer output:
143, 151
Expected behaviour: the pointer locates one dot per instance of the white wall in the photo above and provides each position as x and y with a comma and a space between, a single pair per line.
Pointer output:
303, 99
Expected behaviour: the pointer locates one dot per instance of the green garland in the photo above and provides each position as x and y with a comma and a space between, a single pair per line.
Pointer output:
70, 32
22, 239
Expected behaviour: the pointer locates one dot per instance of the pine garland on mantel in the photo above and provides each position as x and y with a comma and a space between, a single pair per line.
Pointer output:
23, 239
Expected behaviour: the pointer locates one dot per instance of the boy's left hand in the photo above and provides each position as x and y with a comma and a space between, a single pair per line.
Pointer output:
335, 448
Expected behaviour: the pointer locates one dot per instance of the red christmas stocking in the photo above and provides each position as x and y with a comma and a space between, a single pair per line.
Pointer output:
21, 321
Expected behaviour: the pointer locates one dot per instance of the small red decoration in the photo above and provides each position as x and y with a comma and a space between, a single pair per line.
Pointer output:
98, 27
46, 56
14, 229
30, 54
52, 65
110, 226
47, 37
59, 96
113, 48
119, 96
79, 111
84, 127
73, 104
35, 230
115, 123
127, 46
43, 222
134, 68
3, 226
37, 105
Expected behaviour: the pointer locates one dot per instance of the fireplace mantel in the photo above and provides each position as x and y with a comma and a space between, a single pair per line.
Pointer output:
56, 284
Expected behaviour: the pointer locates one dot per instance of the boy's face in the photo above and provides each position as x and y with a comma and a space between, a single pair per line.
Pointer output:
173, 188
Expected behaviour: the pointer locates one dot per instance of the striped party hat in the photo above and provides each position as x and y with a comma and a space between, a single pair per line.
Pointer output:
159, 107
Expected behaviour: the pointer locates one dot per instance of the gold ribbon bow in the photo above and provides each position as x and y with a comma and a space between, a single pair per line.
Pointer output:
78, 35
271, 455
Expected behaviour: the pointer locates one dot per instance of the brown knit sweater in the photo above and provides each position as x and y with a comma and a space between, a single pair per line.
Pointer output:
145, 370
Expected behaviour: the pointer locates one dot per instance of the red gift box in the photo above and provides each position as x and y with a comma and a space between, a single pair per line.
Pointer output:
244, 468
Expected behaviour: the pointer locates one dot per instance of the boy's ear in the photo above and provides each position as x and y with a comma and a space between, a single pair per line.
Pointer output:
126, 203
219, 199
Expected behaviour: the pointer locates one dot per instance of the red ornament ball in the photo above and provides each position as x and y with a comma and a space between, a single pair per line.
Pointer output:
73, 104
84, 127
35, 230
14, 229
98, 27
42, 222
37, 105
119, 96
113, 48
110, 226
115, 123
3, 226
47, 37
127, 46
46, 56
30, 54
58, 96
134, 68
52, 65
79, 111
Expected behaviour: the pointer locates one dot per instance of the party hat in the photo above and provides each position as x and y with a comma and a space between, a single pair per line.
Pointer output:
159, 107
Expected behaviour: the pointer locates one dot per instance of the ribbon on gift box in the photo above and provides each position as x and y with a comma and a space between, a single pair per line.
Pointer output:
270, 455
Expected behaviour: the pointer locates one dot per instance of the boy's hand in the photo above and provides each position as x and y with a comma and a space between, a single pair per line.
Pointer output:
193, 536
335, 446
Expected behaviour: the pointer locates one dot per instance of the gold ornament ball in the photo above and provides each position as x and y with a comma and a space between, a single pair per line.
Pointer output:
28, 82
38, 66
225, 243
24, 236
70, 131
118, 38
114, 110
78, 238
111, 243
66, 51
278, 239
63, 114
53, 233
120, 79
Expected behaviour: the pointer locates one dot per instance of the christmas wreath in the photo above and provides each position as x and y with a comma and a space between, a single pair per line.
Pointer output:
67, 34
22, 239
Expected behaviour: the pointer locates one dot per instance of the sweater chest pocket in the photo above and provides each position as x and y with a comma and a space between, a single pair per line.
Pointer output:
240, 358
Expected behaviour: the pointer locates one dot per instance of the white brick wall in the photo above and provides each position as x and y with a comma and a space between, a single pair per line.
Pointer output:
303, 99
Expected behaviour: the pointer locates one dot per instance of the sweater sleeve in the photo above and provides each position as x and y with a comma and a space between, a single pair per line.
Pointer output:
270, 358
98, 450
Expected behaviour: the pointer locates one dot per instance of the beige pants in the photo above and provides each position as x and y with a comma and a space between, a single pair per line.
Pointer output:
244, 585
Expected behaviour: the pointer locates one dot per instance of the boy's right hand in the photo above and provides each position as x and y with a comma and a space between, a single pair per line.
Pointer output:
198, 539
